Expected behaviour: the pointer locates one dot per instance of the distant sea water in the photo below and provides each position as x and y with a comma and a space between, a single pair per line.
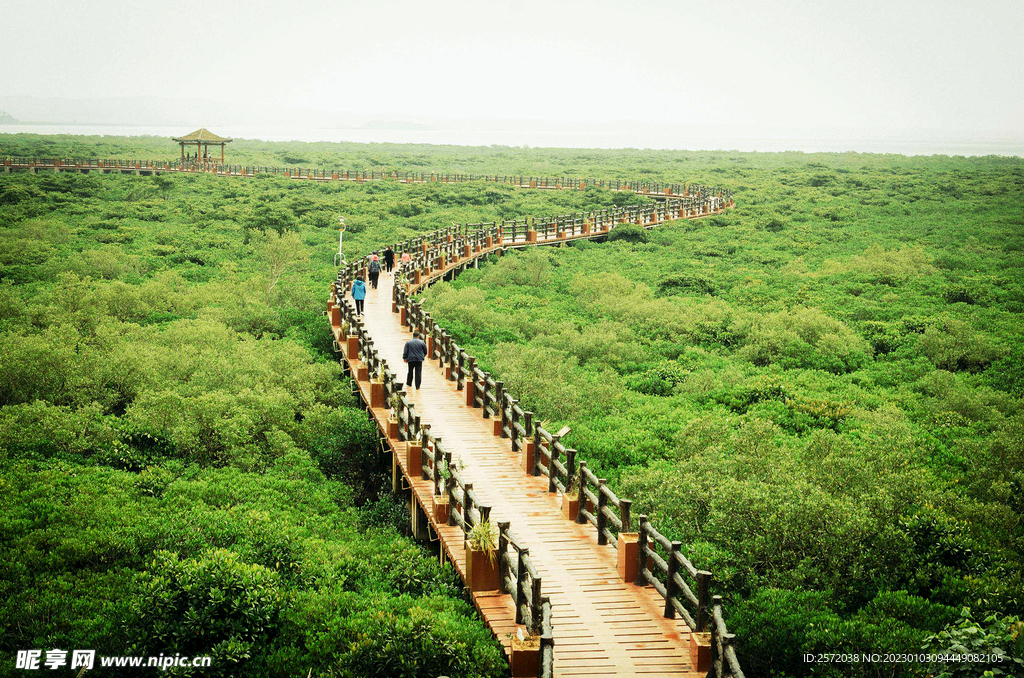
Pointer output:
658, 139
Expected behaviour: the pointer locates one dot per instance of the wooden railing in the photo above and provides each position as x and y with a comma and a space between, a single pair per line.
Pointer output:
649, 188
533, 609
517, 575
685, 589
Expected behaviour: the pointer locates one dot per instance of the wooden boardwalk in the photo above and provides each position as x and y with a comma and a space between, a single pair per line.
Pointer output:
650, 189
602, 626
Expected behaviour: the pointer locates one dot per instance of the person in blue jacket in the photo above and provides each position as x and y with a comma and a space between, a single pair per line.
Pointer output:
359, 294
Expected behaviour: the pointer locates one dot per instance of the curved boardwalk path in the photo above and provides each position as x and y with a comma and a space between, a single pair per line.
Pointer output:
602, 626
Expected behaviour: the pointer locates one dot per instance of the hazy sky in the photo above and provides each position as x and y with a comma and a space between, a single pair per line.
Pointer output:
953, 66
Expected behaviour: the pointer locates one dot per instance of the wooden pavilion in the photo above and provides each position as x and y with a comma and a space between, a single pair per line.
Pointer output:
203, 139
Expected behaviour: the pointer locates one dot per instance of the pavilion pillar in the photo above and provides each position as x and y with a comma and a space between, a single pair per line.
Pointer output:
222, 154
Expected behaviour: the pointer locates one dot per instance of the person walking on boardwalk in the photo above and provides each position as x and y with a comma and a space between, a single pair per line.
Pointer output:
374, 270
359, 294
414, 353
389, 259
406, 257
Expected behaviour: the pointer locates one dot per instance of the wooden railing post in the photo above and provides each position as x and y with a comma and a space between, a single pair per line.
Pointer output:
580, 518
436, 471
717, 644
503, 567
449, 487
453, 359
552, 472
433, 457
641, 578
537, 441
467, 506
670, 584
499, 400
570, 467
535, 607
424, 446
471, 381
521, 584
514, 423
703, 600
483, 395
602, 519
624, 508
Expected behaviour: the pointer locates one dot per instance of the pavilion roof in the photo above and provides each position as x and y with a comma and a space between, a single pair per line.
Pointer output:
203, 135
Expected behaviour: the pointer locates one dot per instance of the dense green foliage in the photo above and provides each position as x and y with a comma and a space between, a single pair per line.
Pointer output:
819, 393
182, 467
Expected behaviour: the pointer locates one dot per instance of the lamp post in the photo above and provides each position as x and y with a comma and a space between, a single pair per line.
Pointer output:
339, 258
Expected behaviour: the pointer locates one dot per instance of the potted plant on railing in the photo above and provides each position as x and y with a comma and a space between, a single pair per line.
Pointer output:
482, 558
441, 503
571, 498
363, 371
334, 311
377, 387
394, 402
414, 453
525, 659
351, 339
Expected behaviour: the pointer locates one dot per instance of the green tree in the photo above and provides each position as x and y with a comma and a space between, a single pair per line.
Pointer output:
279, 255
272, 217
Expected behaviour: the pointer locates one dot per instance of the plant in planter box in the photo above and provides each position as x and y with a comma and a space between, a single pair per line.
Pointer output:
441, 502
482, 538
571, 498
377, 387
482, 558
525, 659
363, 372
442, 509
394, 402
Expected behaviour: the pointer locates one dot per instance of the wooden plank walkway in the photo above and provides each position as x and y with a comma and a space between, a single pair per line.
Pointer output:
602, 625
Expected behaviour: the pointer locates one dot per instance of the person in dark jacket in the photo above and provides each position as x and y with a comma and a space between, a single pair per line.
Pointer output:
389, 259
414, 354
359, 294
374, 269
